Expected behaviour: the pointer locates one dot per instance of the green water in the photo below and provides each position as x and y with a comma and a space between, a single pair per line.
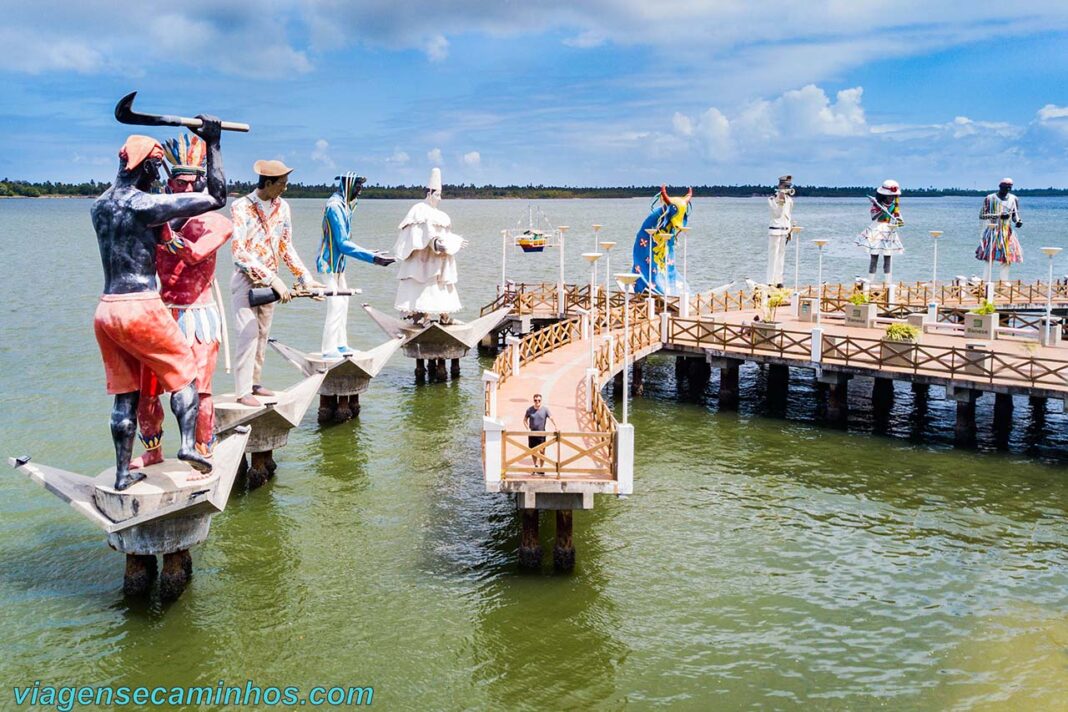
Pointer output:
765, 561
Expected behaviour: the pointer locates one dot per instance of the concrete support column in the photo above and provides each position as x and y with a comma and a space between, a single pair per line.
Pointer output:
1003, 407
344, 411
177, 570
564, 549
420, 370
728, 383
454, 371
964, 431
257, 471
921, 391
836, 387
530, 552
140, 573
440, 371
327, 406
778, 382
882, 394
637, 382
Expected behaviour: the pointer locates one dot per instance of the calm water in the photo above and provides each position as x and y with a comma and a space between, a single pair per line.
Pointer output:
765, 561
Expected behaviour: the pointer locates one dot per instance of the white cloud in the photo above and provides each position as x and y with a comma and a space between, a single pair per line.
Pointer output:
1051, 111
399, 158
436, 48
434, 156
474, 159
321, 153
587, 39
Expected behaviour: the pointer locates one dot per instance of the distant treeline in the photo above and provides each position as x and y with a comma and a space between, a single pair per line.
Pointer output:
527, 192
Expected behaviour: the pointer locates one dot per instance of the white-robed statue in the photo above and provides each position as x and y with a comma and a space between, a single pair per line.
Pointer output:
426, 249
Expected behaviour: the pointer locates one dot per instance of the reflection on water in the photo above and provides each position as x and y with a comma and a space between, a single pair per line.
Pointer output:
765, 560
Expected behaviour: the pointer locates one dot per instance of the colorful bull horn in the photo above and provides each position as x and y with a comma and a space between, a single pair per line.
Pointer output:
689, 194
664, 195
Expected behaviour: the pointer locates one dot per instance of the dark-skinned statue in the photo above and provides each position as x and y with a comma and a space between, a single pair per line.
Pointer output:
133, 326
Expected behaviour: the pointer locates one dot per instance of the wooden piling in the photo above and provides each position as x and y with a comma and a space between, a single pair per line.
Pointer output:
420, 370
530, 552
343, 411
564, 549
440, 371
454, 371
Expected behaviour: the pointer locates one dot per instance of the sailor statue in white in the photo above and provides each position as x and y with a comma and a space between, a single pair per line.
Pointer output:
781, 206
426, 249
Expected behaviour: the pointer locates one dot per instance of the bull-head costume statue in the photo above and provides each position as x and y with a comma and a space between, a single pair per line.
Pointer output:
654, 262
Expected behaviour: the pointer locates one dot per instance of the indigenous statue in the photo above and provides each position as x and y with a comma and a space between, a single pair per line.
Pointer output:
880, 238
186, 278
427, 247
1001, 212
781, 206
263, 236
133, 326
336, 245
655, 262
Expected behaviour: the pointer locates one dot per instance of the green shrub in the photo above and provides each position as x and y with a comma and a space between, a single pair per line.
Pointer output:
902, 333
985, 307
859, 299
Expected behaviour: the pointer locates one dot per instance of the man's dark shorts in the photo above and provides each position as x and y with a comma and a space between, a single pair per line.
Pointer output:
535, 440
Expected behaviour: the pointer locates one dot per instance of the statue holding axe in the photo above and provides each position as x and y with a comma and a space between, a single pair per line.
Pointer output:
133, 326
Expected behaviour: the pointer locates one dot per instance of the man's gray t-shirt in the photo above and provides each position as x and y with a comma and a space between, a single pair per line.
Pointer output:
537, 417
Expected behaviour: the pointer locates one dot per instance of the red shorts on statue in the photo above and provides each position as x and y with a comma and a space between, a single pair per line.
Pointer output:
138, 329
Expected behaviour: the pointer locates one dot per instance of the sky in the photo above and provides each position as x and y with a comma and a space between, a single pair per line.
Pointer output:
576, 92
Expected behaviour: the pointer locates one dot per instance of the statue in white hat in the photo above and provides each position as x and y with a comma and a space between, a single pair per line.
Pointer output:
880, 238
1001, 217
426, 249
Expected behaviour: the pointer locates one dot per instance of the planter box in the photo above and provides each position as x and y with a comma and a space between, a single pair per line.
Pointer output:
861, 315
807, 309
898, 354
980, 326
765, 334
977, 359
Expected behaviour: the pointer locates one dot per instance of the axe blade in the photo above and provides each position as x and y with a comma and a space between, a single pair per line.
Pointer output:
125, 114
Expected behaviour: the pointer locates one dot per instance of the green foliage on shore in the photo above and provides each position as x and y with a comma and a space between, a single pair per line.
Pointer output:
9, 188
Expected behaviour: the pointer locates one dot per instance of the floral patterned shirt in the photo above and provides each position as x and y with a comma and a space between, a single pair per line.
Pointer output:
262, 235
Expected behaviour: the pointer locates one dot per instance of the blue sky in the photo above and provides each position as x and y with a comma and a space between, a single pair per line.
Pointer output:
599, 92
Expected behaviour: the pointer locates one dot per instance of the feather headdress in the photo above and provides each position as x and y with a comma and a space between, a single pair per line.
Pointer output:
186, 154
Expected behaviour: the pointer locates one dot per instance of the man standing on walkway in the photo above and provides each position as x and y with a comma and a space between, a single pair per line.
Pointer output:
782, 208
263, 236
535, 419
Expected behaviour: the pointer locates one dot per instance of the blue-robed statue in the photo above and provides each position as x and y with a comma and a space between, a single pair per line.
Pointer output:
655, 265
335, 246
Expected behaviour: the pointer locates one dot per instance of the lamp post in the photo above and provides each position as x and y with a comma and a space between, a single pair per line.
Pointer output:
685, 259
596, 229
592, 258
1049, 252
935, 234
607, 246
819, 243
794, 229
626, 282
561, 295
504, 261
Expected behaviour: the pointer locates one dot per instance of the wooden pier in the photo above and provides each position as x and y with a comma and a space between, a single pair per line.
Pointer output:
579, 351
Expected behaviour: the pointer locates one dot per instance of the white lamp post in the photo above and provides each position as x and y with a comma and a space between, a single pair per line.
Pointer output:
626, 282
935, 234
794, 229
592, 258
561, 295
685, 260
1049, 252
607, 246
819, 243
504, 261
596, 229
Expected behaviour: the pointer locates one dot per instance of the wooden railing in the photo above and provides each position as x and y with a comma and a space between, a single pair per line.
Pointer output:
980, 366
561, 454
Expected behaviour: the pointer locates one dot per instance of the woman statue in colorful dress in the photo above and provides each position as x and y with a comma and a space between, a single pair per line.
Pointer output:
880, 238
1001, 212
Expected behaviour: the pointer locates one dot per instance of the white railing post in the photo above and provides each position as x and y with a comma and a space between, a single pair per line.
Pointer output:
492, 381
585, 326
591, 384
650, 306
817, 344
684, 306
665, 320
512, 342
494, 432
625, 458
